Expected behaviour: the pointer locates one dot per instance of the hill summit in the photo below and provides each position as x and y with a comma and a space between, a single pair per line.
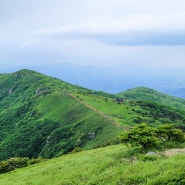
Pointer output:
41, 116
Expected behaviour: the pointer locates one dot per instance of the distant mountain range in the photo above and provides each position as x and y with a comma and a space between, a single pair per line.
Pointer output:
115, 79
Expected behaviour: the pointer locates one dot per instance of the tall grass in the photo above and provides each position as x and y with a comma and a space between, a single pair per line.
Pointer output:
110, 165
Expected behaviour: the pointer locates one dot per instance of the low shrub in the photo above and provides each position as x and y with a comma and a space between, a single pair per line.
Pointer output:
13, 163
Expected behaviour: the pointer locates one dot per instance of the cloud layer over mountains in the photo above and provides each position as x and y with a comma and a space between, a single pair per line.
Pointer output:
96, 32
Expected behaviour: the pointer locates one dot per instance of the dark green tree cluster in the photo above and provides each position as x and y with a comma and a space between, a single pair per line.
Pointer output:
17, 162
148, 137
13, 163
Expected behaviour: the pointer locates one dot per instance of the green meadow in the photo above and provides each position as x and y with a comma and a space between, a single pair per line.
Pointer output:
110, 165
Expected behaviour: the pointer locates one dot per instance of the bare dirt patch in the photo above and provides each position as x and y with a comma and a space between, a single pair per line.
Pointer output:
174, 151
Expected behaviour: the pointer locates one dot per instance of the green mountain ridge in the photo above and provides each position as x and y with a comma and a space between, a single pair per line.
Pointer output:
44, 116
38, 117
147, 94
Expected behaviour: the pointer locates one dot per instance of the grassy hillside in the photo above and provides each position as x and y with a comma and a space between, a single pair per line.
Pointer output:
146, 94
112, 165
44, 116
129, 112
39, 117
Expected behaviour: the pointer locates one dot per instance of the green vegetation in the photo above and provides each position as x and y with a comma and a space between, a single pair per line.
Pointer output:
14, 163
148, 137
146, 94
130, 112
41, 116
110, 165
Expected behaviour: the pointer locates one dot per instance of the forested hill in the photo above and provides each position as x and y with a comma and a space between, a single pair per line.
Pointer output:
47, 117
39, 117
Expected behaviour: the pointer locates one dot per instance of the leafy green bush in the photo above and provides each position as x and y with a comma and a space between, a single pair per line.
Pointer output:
168, 132
12, 164
141, 135
16, 162
148, 137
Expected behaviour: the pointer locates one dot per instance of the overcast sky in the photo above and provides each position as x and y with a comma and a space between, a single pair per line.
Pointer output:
97, 32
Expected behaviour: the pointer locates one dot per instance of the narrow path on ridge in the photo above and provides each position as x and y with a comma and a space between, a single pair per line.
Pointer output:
98, 112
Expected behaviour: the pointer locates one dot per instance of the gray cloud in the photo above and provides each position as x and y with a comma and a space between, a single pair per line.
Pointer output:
125, 39
98, 32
